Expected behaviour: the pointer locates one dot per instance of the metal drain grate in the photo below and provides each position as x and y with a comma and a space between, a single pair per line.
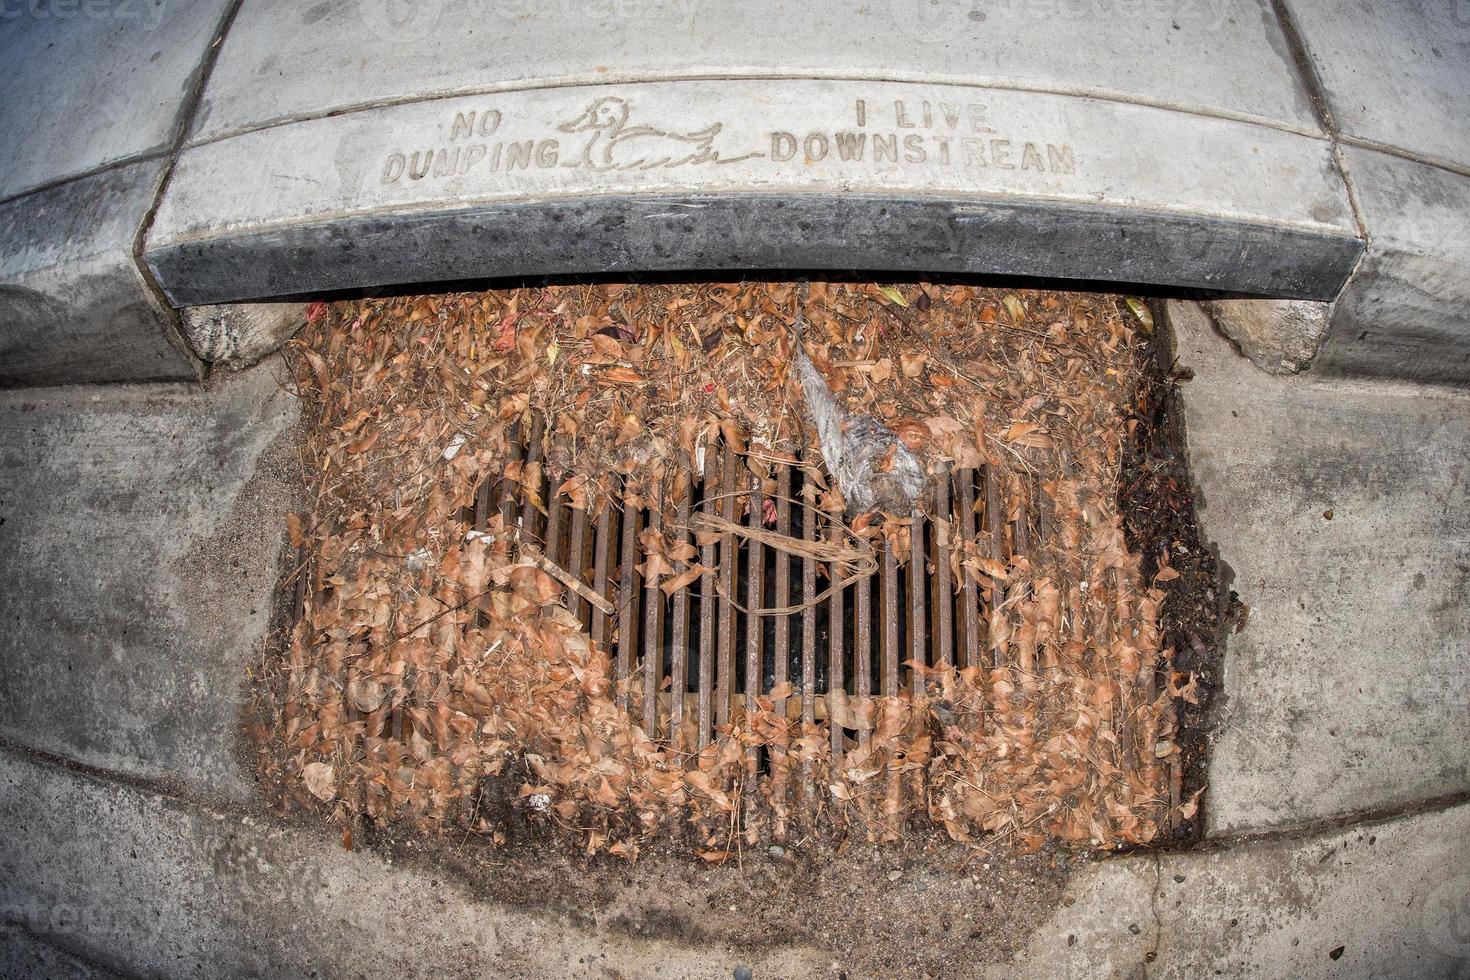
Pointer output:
701, 655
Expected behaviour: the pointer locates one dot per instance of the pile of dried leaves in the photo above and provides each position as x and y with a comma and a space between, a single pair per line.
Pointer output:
436, 674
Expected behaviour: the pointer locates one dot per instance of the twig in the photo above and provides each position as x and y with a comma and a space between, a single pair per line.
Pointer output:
800, 547
858, 562
438, 616
535, 557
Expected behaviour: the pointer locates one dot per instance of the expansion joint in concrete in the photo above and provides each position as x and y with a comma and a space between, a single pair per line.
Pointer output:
157, 153
544, 85
1354, 818
102, 971
170, 789
173, 325
1153, 905
1317, 92
1397, 151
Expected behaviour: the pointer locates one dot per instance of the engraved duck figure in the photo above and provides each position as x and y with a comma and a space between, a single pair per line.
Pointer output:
615, 145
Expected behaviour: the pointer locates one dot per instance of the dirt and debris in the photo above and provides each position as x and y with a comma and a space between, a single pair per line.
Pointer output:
1156, 496
436, 680
874, 470
912, 909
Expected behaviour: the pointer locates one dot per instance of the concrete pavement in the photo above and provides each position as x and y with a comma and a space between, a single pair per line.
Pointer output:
153, 885
1339, 508
139, 534
1382, 899
157, 510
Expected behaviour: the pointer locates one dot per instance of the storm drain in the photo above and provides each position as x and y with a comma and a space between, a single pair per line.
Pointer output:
645, 615
754, 610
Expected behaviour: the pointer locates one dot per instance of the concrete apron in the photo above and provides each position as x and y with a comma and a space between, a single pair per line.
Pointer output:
289, 148
104, 874
1333, 508
140, 531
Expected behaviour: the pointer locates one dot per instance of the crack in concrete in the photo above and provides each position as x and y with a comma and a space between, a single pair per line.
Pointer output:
69, 950
1153, 905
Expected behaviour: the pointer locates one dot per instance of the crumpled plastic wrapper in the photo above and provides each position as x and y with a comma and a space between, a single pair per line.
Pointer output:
872, 467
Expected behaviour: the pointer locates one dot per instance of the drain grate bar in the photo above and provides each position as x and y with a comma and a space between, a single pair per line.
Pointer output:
836, 674
918, 635
808, 612
889, 584
627, 602
601, 549
707, 557
754, 630
506, 487
996, 520
530, 515
653, 631
889, 687
969, 596
943, 600
577, 559
1020, 532
729, 563
555, 518
781, 656
808, 644
679, 648
780, 661
486, 497
755, 600
862, 630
